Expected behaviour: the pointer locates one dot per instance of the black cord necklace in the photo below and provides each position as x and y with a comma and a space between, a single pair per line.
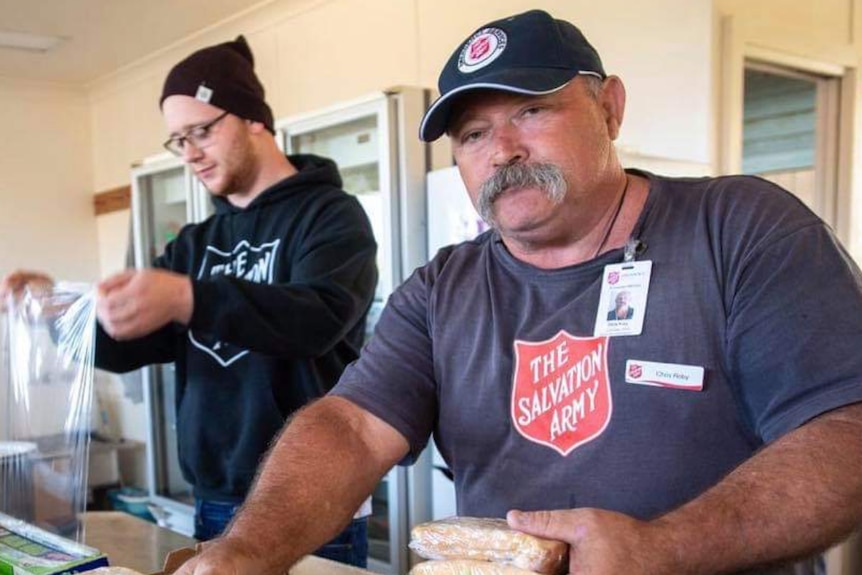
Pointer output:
613, 220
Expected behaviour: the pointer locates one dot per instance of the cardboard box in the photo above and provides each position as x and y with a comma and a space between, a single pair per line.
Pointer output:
176, 558
29, 550
309, 565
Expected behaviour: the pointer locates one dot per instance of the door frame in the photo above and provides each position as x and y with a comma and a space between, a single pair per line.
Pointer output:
737, 47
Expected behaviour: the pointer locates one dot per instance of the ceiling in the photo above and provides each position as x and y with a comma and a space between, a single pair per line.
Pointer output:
102, 36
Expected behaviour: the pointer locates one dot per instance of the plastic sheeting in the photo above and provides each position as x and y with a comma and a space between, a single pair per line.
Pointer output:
47, 342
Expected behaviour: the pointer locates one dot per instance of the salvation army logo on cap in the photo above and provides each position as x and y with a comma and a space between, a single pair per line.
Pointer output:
481, 49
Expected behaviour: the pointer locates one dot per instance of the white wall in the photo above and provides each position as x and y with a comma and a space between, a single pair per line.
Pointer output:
114, 228
46, 191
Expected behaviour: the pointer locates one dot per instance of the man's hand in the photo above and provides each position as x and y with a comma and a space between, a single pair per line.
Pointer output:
135, 303
19, 280
225, 556
600, 542
15, 283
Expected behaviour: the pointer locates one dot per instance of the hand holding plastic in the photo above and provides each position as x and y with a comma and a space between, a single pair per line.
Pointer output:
135, 303
15, 283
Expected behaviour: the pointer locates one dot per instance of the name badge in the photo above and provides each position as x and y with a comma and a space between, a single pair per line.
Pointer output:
671, 375
623, 299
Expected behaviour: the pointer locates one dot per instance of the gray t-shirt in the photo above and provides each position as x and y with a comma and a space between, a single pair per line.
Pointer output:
497, 358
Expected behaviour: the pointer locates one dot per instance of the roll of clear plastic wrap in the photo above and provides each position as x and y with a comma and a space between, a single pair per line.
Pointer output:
47, 345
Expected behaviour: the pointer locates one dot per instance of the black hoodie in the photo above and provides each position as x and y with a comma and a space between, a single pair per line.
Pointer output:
281, 291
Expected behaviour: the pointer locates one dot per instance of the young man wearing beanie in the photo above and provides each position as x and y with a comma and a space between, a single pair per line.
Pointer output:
717, 431
261, 306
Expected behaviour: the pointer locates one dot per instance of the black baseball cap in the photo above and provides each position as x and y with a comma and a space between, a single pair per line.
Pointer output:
223, 76
530, 53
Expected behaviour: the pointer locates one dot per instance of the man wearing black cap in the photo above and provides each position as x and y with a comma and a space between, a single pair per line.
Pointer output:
261, 306
707, 434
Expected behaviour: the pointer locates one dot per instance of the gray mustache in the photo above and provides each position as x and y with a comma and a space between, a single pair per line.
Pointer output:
546, 177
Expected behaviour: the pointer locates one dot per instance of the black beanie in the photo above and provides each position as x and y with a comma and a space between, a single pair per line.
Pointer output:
223, 76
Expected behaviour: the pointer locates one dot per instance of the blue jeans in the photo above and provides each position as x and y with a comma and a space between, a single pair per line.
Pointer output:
212, 517
350, 547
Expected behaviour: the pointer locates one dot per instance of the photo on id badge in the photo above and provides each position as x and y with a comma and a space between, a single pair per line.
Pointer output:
621, 307
623, 299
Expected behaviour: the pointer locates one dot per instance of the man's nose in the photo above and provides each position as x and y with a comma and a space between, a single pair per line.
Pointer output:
508, 147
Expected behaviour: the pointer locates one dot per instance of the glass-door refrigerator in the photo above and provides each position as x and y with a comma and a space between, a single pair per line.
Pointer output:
374, 141
452, 219
165, 197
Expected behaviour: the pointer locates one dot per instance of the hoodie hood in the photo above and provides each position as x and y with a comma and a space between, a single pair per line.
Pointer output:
313, 172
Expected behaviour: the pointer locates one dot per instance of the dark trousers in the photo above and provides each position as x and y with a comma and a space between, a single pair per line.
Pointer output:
350, 546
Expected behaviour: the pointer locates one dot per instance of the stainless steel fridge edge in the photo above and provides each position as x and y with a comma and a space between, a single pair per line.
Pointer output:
182, 514
141, 240
410, 104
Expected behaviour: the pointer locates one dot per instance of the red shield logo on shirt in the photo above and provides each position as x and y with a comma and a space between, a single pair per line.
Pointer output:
635, 371
561, 394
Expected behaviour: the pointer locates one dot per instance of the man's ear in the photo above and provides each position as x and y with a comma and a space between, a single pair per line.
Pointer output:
613, 101
256, 127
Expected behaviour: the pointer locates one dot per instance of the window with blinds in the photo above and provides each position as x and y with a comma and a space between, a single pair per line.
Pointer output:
791, 132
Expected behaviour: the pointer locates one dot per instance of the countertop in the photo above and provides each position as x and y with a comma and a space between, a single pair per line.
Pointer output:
137, 544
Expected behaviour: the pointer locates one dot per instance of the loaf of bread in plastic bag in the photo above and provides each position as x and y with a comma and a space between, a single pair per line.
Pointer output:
487, 539
466, 567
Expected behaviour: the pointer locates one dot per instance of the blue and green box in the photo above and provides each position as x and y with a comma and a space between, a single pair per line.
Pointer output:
28, 550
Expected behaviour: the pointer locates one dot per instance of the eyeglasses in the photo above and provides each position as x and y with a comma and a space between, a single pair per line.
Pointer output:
199, 136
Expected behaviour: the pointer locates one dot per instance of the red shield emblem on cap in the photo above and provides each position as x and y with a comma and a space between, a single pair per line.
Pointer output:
561, 394
480, 47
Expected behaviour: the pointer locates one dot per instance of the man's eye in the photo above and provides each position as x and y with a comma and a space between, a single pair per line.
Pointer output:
472, 136
200, 132
532, 111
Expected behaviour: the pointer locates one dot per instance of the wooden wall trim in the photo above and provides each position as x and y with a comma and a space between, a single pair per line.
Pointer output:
113, 200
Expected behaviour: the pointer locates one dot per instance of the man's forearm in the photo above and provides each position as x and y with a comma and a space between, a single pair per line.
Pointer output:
798, 496
327, 461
